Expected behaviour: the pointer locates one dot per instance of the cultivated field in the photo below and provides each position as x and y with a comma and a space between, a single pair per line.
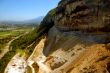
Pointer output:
7, 34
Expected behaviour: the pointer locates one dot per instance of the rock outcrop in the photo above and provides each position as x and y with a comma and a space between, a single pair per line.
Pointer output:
83, 15
77, 40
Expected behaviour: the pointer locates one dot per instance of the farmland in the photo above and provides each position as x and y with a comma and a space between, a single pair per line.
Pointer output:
7, 34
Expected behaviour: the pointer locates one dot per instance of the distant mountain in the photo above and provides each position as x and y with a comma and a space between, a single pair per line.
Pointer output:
31, 21
36, 20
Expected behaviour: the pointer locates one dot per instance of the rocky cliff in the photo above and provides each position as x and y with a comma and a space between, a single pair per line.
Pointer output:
77, 39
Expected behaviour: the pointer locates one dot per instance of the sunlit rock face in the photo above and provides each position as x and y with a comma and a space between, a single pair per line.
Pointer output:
84, 15
88, 18
16, 65
67, 53
77, 39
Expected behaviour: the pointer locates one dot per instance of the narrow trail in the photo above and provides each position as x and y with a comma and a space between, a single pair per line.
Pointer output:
6, 48
39, 60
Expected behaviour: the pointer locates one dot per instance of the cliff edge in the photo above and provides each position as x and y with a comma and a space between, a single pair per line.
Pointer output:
77, 38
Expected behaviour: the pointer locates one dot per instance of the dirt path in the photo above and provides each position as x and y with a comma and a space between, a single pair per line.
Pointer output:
6, 49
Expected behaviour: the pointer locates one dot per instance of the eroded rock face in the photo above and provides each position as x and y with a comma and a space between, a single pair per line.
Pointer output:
84, 15
67, 53
78, 38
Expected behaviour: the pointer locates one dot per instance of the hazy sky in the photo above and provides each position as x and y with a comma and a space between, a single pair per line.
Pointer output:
25, 9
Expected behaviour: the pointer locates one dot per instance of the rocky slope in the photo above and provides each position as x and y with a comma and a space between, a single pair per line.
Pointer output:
77, 39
